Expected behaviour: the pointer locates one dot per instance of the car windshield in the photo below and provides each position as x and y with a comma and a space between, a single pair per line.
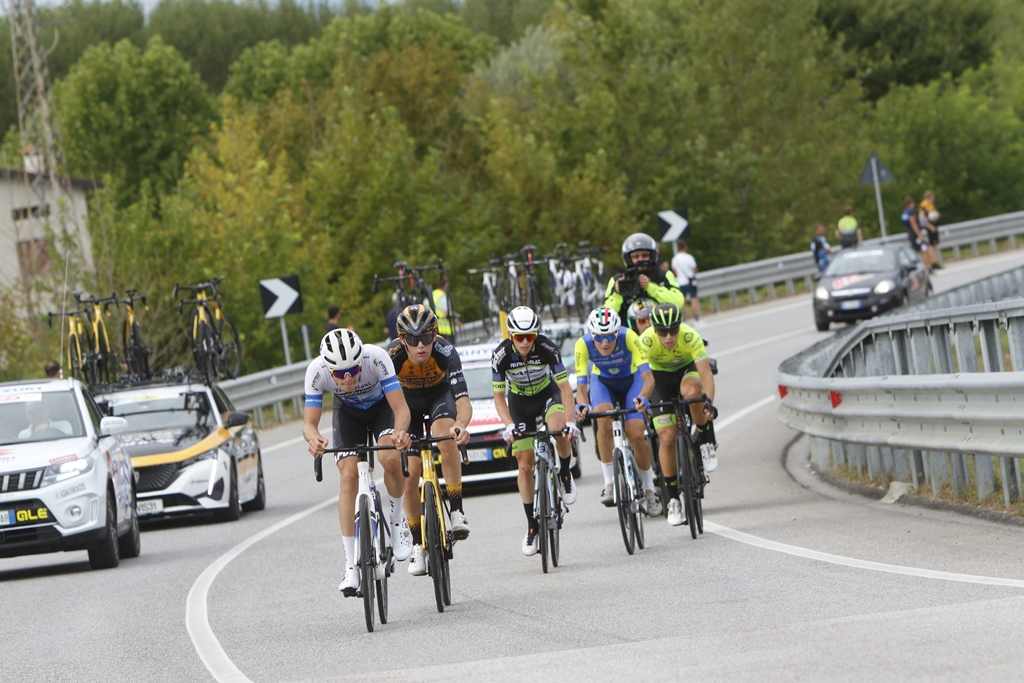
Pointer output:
479, 382
862, 262
146, 414
43, 416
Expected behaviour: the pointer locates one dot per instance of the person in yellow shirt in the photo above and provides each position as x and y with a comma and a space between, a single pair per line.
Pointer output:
926, 218
848, 231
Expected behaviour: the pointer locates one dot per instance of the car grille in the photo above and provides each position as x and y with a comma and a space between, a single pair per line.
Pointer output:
21, 481
157, 477
46, 533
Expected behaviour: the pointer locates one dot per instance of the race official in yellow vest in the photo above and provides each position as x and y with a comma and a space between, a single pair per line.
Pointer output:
445, 328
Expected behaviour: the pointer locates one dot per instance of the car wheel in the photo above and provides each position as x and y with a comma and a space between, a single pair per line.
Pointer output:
130, 545
106, 555
260, 501
821, 323
233, 511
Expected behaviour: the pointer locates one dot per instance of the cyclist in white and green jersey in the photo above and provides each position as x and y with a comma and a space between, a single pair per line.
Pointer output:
680, 365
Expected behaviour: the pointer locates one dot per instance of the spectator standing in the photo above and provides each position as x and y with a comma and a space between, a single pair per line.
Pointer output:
909, 218
684, 266
927, 218
52, 369
820, 248
848, 232
445, 326
333, 317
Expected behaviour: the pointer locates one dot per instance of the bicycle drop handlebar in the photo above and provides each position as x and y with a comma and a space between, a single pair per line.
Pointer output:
618, 412
318, 460
542, 433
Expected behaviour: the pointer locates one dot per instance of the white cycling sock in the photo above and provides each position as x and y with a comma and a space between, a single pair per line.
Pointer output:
647, 478
350, 551
608, 470
397, 511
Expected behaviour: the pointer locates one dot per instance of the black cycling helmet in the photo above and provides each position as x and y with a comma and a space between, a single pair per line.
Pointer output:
665, 316
639, 241
416, 319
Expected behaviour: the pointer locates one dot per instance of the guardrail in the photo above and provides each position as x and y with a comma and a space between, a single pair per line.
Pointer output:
924, 396
788, 270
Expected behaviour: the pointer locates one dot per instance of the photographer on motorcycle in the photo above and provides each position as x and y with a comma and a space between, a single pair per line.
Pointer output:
642, 278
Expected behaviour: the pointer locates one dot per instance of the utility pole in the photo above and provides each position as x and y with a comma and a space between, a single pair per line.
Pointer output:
47, 183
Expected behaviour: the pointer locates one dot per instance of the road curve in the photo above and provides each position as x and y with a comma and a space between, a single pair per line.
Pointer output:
787, 583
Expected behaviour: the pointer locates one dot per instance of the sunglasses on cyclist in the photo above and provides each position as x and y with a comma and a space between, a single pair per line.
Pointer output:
605, 338
670, 332
417, 339
346, 373
524, 337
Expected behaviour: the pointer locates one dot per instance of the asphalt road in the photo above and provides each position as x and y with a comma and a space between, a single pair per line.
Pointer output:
788, 583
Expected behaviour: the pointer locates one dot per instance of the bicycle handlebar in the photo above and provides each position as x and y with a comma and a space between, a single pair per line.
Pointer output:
618, 412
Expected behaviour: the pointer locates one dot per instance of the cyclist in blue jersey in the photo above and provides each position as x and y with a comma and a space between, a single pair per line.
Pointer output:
367, 396
620, 375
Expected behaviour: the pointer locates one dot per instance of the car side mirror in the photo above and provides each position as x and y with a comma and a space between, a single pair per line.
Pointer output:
236, 419
111, 425
816, 276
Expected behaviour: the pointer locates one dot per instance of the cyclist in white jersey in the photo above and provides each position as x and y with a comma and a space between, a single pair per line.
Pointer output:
367, 395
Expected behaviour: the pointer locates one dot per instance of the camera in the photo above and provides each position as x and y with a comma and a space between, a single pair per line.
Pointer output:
629, 285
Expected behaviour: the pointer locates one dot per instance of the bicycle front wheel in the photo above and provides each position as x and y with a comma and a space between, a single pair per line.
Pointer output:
544, 503
433, 540
75, 357
555, 528
202, 350
623, 501
367, 563
637, 508
684, 465
230, 355
659, 477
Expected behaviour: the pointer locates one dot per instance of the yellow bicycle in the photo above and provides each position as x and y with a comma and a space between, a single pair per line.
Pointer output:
435, 520
215, 345
136, 353
89, 355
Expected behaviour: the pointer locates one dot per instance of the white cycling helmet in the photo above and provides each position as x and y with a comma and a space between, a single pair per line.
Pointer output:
341, 350
522, 320
603, 321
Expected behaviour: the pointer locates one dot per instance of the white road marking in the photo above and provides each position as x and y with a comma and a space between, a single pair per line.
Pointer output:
735, 417
797, 551
197, 621
761, 342
290, 442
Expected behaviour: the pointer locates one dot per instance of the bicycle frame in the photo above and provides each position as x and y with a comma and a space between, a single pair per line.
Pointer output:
547, 501
631, 510
689, 466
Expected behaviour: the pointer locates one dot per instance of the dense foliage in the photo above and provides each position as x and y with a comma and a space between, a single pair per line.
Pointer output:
330, 149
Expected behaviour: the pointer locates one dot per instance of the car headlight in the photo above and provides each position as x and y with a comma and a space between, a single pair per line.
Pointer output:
212, 453
66, 470
885, 286
821, 293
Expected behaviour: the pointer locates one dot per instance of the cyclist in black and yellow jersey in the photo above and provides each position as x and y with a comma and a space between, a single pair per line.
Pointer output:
680, 365
642, 279
430, 371
530, 365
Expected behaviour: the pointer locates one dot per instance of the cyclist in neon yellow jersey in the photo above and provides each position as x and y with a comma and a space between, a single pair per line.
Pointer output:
680, 366
620, 375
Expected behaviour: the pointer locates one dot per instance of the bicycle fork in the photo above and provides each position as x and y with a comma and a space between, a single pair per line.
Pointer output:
368, 490
546, 489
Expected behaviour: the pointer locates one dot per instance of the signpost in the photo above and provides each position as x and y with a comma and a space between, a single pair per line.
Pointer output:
874, 173
673, 225
281, 296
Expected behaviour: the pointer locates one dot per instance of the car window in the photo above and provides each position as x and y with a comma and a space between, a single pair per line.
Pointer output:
224, 403
43, 416
478, 379
145, 414
94, 412
862, 262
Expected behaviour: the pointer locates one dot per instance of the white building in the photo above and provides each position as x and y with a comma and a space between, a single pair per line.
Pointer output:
23, 245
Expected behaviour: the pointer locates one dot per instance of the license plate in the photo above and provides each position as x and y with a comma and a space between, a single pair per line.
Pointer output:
478, 454
6, 517
850, 305
150, 507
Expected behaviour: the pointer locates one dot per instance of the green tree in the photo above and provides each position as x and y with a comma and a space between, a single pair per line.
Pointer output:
133, 114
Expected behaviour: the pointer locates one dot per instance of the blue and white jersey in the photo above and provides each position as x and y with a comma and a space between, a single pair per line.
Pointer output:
376, 378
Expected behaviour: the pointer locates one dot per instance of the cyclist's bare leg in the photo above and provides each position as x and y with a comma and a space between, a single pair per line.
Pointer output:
451, 460
347, 495
690, 388
412, 491
391, 461
555, 422
667, 450
525, 480
641, 449
605, 442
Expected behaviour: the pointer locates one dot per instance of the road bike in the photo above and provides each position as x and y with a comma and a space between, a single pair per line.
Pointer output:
563, 295
587, 259
215, 346
418, 291
90, 357
530, 286
435, 518
136, 353
492, 300
689, 464
628, 489
547, 499
374, 555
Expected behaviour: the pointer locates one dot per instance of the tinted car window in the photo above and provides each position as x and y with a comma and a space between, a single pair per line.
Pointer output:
45, 416
179, 412
862, 262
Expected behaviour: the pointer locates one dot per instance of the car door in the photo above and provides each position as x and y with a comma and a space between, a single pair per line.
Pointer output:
109, 449
238, 444
910, 274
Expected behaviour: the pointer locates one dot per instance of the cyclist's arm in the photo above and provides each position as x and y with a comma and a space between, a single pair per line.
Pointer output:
501, 405
313, 408
707, 379
666, 294
582, 357
463, 416
396, 399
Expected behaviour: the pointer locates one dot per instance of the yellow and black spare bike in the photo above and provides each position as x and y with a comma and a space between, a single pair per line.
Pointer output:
136, 353
90, 357
215, 345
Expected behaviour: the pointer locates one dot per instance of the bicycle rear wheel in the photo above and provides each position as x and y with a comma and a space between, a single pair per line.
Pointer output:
684, 474
638, 502
544, 502
366, 562
623, 501
555, 527
202, 350
446, 553
433, 540
75, 356
230, 351
385, 558
659, 476
698, 490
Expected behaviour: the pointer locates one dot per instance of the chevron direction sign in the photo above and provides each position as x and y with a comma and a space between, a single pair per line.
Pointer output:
281, 296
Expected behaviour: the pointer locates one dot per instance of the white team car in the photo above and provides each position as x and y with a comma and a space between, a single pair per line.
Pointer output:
191, 450
488, 462
65, 481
